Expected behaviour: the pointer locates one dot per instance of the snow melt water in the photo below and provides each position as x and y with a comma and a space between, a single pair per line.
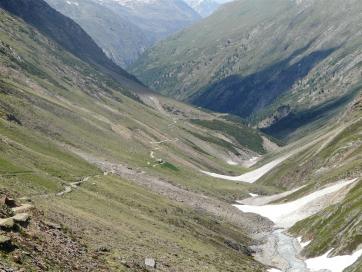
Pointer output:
287, 214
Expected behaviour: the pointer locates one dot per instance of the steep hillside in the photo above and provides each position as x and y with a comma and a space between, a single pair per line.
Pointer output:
339, 226
317, 218
121, 40
159, 18
263, 60
125, 29
113, 176
65, 32
98, 174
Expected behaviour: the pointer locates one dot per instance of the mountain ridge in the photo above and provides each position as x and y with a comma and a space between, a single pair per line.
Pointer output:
111, 176
203, 7
125, 29
230, 65
65, 32
107, 170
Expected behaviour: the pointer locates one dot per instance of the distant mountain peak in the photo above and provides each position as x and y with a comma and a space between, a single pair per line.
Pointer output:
203, 7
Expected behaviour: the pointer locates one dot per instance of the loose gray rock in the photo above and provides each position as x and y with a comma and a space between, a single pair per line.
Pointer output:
21, 217
4, 239
7, 223
150, 262
23, 208
52, 225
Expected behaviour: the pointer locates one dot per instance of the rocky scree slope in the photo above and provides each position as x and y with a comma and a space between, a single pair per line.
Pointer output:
30, 241
62, 119
268, 61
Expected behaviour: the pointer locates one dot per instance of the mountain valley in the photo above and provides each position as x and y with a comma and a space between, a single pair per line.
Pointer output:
232, 145
280, 64
125, 29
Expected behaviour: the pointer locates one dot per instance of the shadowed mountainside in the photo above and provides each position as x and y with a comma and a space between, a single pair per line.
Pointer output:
262, 59
64, 31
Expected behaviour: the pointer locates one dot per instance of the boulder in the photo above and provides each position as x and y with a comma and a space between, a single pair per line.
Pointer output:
5, 243
7, 223
4, 239
10, 202
150, 262
76, 184
21, 217
239, 247
52, 225
232, 244
23, 208
103, 249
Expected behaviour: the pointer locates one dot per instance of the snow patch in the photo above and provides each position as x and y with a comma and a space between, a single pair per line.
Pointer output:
334, 264
251, 176
253, 195
230, 162
250, 162
303, 244
287, 214
72, 3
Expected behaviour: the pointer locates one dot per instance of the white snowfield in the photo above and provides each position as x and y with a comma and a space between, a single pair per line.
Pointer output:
231, 162
252, 161
303, 244
251, 176
274, 270
253, 195
287, 214
334, 264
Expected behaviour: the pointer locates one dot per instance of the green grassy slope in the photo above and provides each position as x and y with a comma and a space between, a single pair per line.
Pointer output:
66, 33
255, 58
53, 106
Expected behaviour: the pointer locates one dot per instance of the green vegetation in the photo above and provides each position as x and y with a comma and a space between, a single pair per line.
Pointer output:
72, 120
339, 226
62, 120
170, 166
252, 57
243, 135
139, 223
